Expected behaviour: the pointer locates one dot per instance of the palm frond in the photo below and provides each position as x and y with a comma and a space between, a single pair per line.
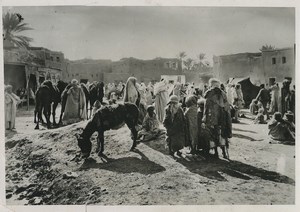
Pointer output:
21, 41
12, 25
22, 27
24, 38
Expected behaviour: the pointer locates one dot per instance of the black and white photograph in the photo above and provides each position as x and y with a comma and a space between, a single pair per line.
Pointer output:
149, 105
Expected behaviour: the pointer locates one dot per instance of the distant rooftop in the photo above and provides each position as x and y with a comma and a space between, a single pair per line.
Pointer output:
277, 49
157, 58
42, 48
255, 54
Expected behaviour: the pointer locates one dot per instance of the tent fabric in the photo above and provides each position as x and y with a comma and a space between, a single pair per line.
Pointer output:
249, 90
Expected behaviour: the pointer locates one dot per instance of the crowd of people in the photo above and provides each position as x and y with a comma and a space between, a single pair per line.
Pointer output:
202, 118
190, 117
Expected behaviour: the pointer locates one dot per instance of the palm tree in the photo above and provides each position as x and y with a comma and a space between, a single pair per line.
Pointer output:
201, 57
181, 56
188, 63
267, 47
12, 26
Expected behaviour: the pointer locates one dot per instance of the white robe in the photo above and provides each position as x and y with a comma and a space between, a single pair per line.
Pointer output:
11, 101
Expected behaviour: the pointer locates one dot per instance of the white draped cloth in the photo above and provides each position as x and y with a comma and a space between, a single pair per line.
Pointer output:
161, 99
11, 101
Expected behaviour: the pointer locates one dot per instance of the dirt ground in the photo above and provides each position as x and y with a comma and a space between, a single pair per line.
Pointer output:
44, 167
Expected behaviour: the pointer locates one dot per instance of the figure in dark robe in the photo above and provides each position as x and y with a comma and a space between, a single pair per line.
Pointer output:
174, 123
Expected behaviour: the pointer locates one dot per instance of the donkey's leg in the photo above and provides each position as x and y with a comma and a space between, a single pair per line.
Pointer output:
47, 113
60, 118
54, 106
131, 125
43, 113
35, 113
134, 134
39, 114
100, 142
63, 105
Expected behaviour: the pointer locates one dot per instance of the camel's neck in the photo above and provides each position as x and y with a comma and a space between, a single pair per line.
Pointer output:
89, 130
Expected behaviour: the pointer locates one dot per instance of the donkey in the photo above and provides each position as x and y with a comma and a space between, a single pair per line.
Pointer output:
106, 118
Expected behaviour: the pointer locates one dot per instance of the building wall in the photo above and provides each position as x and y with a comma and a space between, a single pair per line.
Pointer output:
258, 66
146, 70
15, 75
238, 66
48, 58
115, 77
15, 61
279, 70
91, 70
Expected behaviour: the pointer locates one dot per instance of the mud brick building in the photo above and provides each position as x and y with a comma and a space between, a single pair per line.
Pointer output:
27, 68
86, 70
143, 70
277, 63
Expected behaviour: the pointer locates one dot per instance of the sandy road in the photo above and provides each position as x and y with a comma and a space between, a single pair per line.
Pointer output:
44, 167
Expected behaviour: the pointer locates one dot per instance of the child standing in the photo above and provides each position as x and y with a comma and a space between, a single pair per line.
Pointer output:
192, 123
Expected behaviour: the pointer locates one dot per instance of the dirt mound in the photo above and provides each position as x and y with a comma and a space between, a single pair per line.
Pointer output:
36, 164
45, 167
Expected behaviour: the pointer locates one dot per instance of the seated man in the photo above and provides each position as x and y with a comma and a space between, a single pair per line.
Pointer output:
289, 119
280, 129
150, 128
260, 118
253, 107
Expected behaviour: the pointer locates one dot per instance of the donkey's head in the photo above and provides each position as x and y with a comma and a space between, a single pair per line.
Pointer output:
85, 145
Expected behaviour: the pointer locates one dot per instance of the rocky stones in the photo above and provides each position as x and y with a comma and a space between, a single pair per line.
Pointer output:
36, 201
24, 187
39, 153
11, 144
70, 175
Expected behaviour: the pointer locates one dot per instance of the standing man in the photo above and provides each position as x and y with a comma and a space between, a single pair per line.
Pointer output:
264, 97
11, 101
75, 109
161, 99
274, 98
216, 117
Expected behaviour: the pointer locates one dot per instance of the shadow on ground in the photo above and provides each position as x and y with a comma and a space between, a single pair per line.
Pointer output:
9, 134
213, 167
236, 135
124, 165
236, 129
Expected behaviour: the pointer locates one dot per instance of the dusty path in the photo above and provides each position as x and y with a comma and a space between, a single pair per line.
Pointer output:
43, 167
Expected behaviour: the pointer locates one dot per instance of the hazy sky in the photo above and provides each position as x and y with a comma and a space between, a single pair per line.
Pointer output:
148, 32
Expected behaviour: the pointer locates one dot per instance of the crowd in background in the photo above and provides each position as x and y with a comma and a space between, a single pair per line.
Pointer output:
200, 118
